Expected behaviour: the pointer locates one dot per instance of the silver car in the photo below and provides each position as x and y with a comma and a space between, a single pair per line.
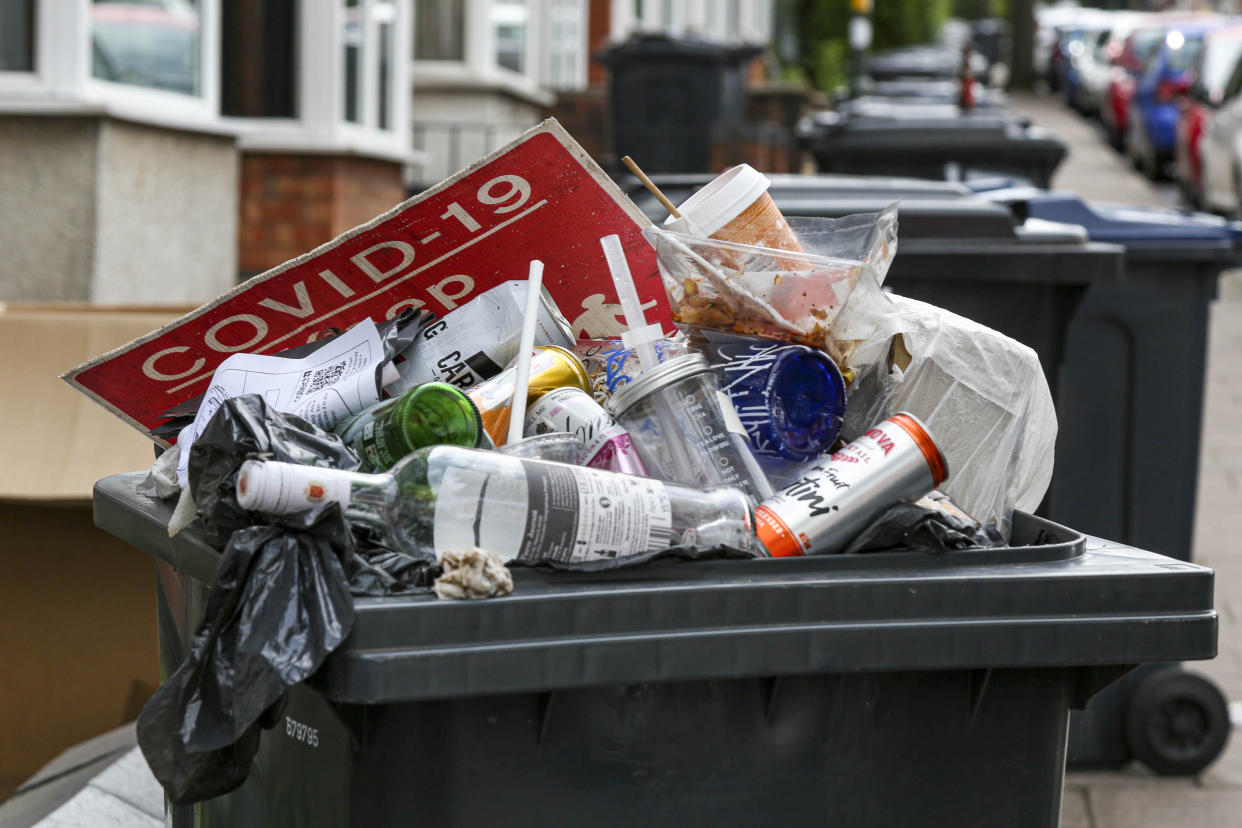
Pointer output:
1220, 142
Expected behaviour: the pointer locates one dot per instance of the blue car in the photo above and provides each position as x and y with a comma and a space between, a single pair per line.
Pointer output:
1156, 106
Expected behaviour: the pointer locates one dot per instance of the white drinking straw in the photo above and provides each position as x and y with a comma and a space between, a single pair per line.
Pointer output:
526, 346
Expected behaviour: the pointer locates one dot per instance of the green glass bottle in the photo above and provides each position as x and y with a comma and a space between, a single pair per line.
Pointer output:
431, 414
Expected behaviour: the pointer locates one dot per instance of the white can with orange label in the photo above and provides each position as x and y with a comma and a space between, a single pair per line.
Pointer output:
837, 498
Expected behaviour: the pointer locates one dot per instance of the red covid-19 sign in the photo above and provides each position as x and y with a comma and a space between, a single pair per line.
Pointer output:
541, 197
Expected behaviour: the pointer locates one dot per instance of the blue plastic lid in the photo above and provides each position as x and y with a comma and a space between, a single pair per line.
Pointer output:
790, 398
1123, 224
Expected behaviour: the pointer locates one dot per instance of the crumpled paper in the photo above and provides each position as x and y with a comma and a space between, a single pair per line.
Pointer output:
472, 573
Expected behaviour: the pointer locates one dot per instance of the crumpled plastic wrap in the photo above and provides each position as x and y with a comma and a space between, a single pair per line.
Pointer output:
786, 295
982, 395
931, 524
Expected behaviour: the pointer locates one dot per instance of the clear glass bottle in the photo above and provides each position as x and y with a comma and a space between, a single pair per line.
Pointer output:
447, 497
434, 413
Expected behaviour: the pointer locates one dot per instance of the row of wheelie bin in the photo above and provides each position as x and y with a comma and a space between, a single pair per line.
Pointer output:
921, 116
1115, 301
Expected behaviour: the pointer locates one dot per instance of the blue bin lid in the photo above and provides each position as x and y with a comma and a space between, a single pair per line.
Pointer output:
1135, 227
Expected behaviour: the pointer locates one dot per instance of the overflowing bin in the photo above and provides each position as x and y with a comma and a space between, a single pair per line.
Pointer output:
797, 690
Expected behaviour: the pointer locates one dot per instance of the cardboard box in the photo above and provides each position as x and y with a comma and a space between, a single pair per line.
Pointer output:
77, 606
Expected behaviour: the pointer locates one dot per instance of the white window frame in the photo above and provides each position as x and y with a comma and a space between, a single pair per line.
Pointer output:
30, 82
321, 125
61, 83
545, 46
478, 67
142, 103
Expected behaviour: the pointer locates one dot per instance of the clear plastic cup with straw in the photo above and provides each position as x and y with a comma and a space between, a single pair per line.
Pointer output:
684, 427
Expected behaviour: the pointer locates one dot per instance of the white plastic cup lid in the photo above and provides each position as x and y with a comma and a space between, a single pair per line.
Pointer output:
723, 199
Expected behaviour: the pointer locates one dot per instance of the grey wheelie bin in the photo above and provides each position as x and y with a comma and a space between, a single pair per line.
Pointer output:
1124, 359
935, 142
667, 96
1135, 359
877, 689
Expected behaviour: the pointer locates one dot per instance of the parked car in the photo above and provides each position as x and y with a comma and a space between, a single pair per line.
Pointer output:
1151, 136
1136, 52
1222, 50
1084, 67
1101, 63
1220, 151
1071, 47
1051, 25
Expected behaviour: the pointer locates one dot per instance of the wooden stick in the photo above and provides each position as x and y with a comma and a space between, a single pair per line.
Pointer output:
650, 185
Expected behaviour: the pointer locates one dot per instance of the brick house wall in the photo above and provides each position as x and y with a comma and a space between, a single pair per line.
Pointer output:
290, 203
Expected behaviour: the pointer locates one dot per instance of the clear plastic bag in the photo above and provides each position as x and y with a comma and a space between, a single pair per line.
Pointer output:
982, 395
787, 295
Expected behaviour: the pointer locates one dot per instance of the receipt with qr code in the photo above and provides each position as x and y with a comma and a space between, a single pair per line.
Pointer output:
337, 381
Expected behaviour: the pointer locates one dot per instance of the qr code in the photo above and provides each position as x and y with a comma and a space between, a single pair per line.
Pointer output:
323, 377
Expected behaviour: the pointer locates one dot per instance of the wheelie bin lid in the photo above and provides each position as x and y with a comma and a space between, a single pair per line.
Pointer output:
649, 46
935, 219
1055, 598
1142, 230
943, 90
915, 62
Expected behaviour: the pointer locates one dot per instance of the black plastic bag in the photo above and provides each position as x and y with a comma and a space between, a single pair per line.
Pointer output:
280, 604
248, 427
915, 526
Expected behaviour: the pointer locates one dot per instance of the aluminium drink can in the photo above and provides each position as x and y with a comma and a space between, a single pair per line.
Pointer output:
834, 500
550, 368
571, 410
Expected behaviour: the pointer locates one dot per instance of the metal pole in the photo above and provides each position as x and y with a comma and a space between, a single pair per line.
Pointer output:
860, 42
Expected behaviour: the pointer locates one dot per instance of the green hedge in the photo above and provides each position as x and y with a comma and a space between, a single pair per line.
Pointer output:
821, 26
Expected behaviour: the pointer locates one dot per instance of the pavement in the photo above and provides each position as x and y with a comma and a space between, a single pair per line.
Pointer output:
1134, 797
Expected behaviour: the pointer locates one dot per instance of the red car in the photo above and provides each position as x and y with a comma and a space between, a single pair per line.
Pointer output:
1222, 49
1138, 49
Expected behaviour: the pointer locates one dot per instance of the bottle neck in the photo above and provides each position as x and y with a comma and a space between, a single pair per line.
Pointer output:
286, 488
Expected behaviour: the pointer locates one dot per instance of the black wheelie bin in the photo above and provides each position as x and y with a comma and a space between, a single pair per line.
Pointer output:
933, 141
879, 689
1128, 353
1135, 359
